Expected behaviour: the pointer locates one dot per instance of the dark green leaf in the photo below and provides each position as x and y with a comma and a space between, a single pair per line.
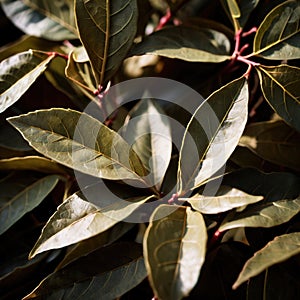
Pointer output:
278, 36
281, 88
106, 29
174, 249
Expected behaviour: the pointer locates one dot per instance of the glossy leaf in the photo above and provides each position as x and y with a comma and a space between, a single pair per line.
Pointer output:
106, 273
273, 141
20, 195
226, 199
174, 250
79, 141
33, 22
190, 44
18, 73
280, 249
267, 214
278, 36
212, 134
281, 88
106, 29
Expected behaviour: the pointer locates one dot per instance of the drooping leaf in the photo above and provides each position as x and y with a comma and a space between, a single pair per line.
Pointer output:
106, 273
273, 141
226, 199
107, 30
190, 44
174, 250
281, 88
280, 249
18, 73
34, 23
266, 214
278, 36
212, 134
79, 141
21, 194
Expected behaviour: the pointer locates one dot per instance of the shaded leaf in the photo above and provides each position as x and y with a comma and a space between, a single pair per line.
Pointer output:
281, 88
190, 44
106, 273
278, 36
20, 195
18, 73
280, 249
174, 250
273, 141
212, 134
79, 141
106, 29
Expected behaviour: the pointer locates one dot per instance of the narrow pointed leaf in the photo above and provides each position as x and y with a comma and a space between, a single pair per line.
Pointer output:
79, 141
174, 250
18, 73
107, 30
226, 199
190, 44
281, 88
280, 249
20, 195
278, 36
212, 134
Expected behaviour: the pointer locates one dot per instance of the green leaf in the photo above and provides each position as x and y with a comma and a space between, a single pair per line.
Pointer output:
234, 9
148, 131
18, 73
174, 250
280, 249
226, 199
266, 214
76, 219
190, 44
107, 30
34, 23
107, 273
281, 88
21, 194
278, 36
79, 141
212, 134
273, 141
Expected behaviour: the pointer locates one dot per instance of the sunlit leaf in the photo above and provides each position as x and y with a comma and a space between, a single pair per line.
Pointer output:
106, 29
190, 44
278, 36
212, 134
281, 88
18, 73
280, 249
174, 249
234, 8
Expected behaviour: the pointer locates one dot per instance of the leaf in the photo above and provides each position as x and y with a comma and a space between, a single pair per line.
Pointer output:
76, 219
226, 199
106, 273
189, 44
234, 9
281, 88
20, 195
34, 23
149, 133
278, 36
273, 141
266, 214
107, 30
280, 249
212, 134
18, 73
174, 250
79, 141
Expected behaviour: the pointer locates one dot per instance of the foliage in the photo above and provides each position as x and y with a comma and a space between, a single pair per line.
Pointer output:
127, 205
